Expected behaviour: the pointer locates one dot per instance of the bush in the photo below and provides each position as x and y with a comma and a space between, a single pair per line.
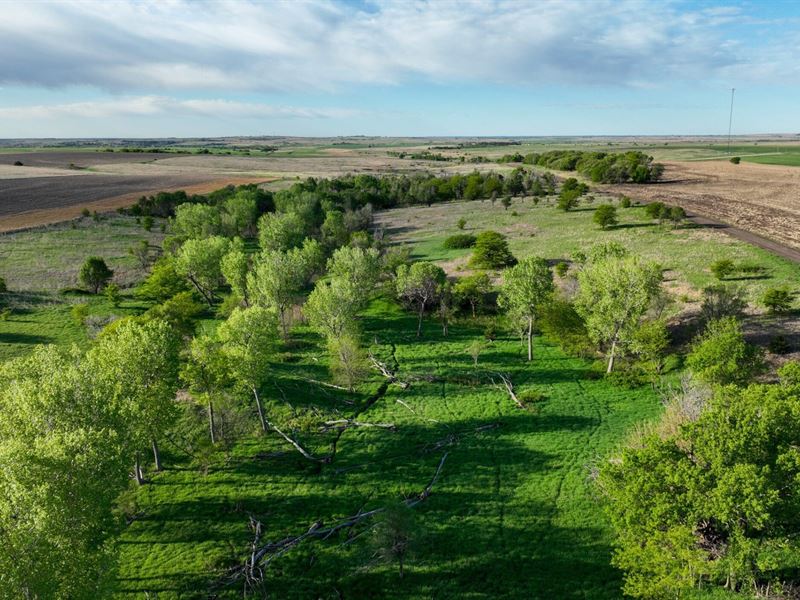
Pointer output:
721, 301
721, 356
561, 268
777, 300
561, 323
491, 251
605, 215
722, 268
79, 314
654, 209
18, 163
460, 240
94, 273
113, 294
779, 345
462, 222
3, 286
625, 202
736, 160
789, 373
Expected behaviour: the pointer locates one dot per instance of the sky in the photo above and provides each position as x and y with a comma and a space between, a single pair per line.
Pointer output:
176, 68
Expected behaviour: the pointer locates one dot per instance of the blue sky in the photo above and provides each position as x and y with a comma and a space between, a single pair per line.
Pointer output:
178, 68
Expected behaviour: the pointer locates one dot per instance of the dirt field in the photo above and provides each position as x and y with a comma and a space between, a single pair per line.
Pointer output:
763, 199
85, 159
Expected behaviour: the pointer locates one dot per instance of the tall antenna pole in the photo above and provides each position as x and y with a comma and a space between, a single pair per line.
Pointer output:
730, 121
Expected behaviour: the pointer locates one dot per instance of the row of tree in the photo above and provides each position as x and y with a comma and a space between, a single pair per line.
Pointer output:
601, 167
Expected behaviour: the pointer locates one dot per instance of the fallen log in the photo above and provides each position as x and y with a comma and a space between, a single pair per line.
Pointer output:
262, 555
345, 423
508, 385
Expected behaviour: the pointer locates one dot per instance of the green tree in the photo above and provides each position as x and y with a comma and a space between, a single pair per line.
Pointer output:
395, 535
281, 231
234, 268
181, 312
248, 340
113, 294
238, 216
720, 355
420, 285
491, 251
94, 273
200, 260
473, 289
163, 282
196, 220
709, 503
206, 374
141, 359
605, 215
614, 294
360, 267
777, 300
526, 286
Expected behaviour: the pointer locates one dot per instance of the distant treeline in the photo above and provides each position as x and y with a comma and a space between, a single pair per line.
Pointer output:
601, 167
438, 157
351, 192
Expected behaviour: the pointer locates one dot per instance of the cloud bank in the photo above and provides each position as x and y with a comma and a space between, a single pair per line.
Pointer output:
175, 45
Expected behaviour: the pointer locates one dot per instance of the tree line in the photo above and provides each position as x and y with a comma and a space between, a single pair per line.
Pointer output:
600, 167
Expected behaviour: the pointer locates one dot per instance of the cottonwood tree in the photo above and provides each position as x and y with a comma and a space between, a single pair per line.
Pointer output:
720, 355
614, 294
238, 215
199, 260
248, 339
420, 285
140, 360
196, 220
206, 374
281, 231
360, 267
234, 268
64, 447
473, 290
277, 279
526, 286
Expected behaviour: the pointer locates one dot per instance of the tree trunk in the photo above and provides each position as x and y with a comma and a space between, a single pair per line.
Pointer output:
211, 421
208, 298
472, 304
611, 357
137, 471
530, 339
419, 323
400, 562
284, 329
156, 455
260, 410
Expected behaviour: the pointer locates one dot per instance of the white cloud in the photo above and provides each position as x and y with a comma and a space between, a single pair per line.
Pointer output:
150, 106
130, 46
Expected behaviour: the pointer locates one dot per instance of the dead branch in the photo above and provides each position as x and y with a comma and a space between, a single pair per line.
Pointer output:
508, 385
384, 370
345, 423
325, 384
262, 556
297, 446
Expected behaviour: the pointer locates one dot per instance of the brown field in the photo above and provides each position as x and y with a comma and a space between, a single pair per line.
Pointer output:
763, 199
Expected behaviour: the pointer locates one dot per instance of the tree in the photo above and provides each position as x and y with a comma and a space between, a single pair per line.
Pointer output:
720, 355
248, 337
94, 273
196, 220
722, 268
360, 267
277, 279
473, 289
141, 252
394, 535
711, 503
506, 202
605, 215
614, 294
200, 260
238, 215
63, 449
141, 359
163, 282
348, 363
461, 223
332, 306
491, 251
526, 286
113, 294
234, 268
281, 231
654, 209
420, 285
677, 215
206, 374
649, 342
777, 300
180, 311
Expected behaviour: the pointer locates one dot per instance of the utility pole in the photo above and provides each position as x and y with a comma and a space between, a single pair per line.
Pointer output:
730, 121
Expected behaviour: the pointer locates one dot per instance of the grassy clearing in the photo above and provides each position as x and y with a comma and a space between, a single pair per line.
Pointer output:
47, 259
511, 496
545, 231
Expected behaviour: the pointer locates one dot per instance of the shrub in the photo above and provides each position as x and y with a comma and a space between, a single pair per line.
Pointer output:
736, 160
789, 373
777, 300
625, 202
462, 222
3, 286
113, 294
561, 268
506, 202
779, 345
722, 301
605, 215
460, 240
18, 163
722, 268
94, 273
491, 251
147, 223
79, 313
721, 356
654, 209
677, 215
561, 323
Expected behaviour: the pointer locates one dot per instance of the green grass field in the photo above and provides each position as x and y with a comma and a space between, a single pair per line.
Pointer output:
542, 230
513, 514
